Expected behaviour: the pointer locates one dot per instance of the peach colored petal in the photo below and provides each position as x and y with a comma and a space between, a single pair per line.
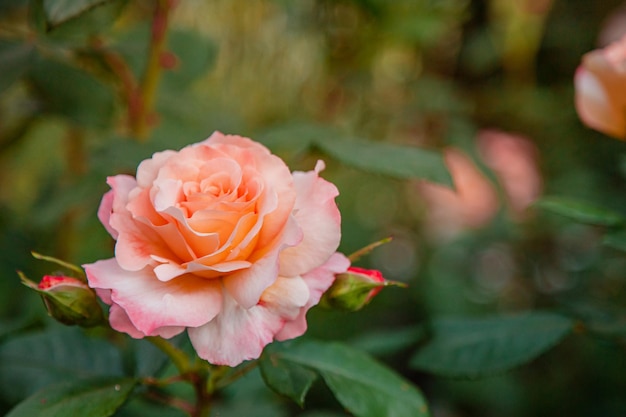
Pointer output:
600, 83
318, 281
317, 215
247, 286
236, 334
151, 304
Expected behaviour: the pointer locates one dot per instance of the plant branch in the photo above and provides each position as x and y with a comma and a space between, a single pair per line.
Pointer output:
149, 84
178, 357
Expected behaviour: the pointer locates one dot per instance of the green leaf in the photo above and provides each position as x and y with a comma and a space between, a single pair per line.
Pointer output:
60, 11
98, 397
32, 361
361, 384
195, 53
471, 347
616, 239
287, 378
397, 161
73, 93
580, 211
15, 59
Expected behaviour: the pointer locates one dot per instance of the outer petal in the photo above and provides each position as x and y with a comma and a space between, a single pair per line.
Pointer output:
318, 281
236, 334
115, 200
318, 216
594, 106
152, 304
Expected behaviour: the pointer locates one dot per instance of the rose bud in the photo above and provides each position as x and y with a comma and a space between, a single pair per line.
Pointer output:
354, 289
67, 299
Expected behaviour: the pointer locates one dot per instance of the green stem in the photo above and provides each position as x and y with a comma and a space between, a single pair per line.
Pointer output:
178, 357
140, 124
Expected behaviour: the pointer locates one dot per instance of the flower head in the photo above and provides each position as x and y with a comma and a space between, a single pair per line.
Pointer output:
222, 240
600, 83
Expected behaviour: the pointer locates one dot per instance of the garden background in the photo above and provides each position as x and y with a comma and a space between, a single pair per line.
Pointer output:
324, 79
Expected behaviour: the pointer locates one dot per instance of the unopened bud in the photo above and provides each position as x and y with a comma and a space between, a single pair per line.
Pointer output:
67, 299
355, 288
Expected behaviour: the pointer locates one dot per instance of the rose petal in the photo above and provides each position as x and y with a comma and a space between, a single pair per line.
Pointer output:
236, 334
151, 304
318, 216
318, 281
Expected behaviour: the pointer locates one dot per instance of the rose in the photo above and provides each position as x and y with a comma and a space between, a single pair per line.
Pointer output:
600, 83
220, 239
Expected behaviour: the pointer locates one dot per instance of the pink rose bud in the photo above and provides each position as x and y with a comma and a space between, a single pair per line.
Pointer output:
354, 289
67, 299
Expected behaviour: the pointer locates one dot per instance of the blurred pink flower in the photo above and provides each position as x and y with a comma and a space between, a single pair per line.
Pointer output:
600, 83
471, 205
474, 201
514, 160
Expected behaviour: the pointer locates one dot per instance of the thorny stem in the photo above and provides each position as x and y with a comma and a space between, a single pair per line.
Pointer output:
150, 81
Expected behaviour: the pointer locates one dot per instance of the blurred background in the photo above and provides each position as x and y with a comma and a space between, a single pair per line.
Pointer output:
489, 83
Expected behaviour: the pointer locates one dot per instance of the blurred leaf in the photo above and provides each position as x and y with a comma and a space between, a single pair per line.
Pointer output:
580, 211
140, 407
362, 385
59, 11
402, 162
287, 378
615, 239
471, 347
73, 93
98, 397
16, 58
91, 21
32, 361
388, 342
195, 55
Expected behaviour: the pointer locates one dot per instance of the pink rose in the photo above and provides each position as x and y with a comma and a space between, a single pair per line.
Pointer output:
470, 205
474, 201
514, 160
600, 83
220, 239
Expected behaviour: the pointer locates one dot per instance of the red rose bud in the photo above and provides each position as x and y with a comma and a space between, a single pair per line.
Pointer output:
67, 299
354, 289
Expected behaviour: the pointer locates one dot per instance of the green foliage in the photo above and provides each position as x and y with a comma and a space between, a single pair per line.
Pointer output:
580, 211
35, 360
468, 347
363, 386
60, 11
97, 397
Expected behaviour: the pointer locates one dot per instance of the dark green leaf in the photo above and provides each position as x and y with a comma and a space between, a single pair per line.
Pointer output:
287, 378
59, 11
15, 59
580, 211
616, 239
98, 397
32, 361
362, 385
195, 55
388, 342
397, 161
73, 93
93, 21
471, 347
